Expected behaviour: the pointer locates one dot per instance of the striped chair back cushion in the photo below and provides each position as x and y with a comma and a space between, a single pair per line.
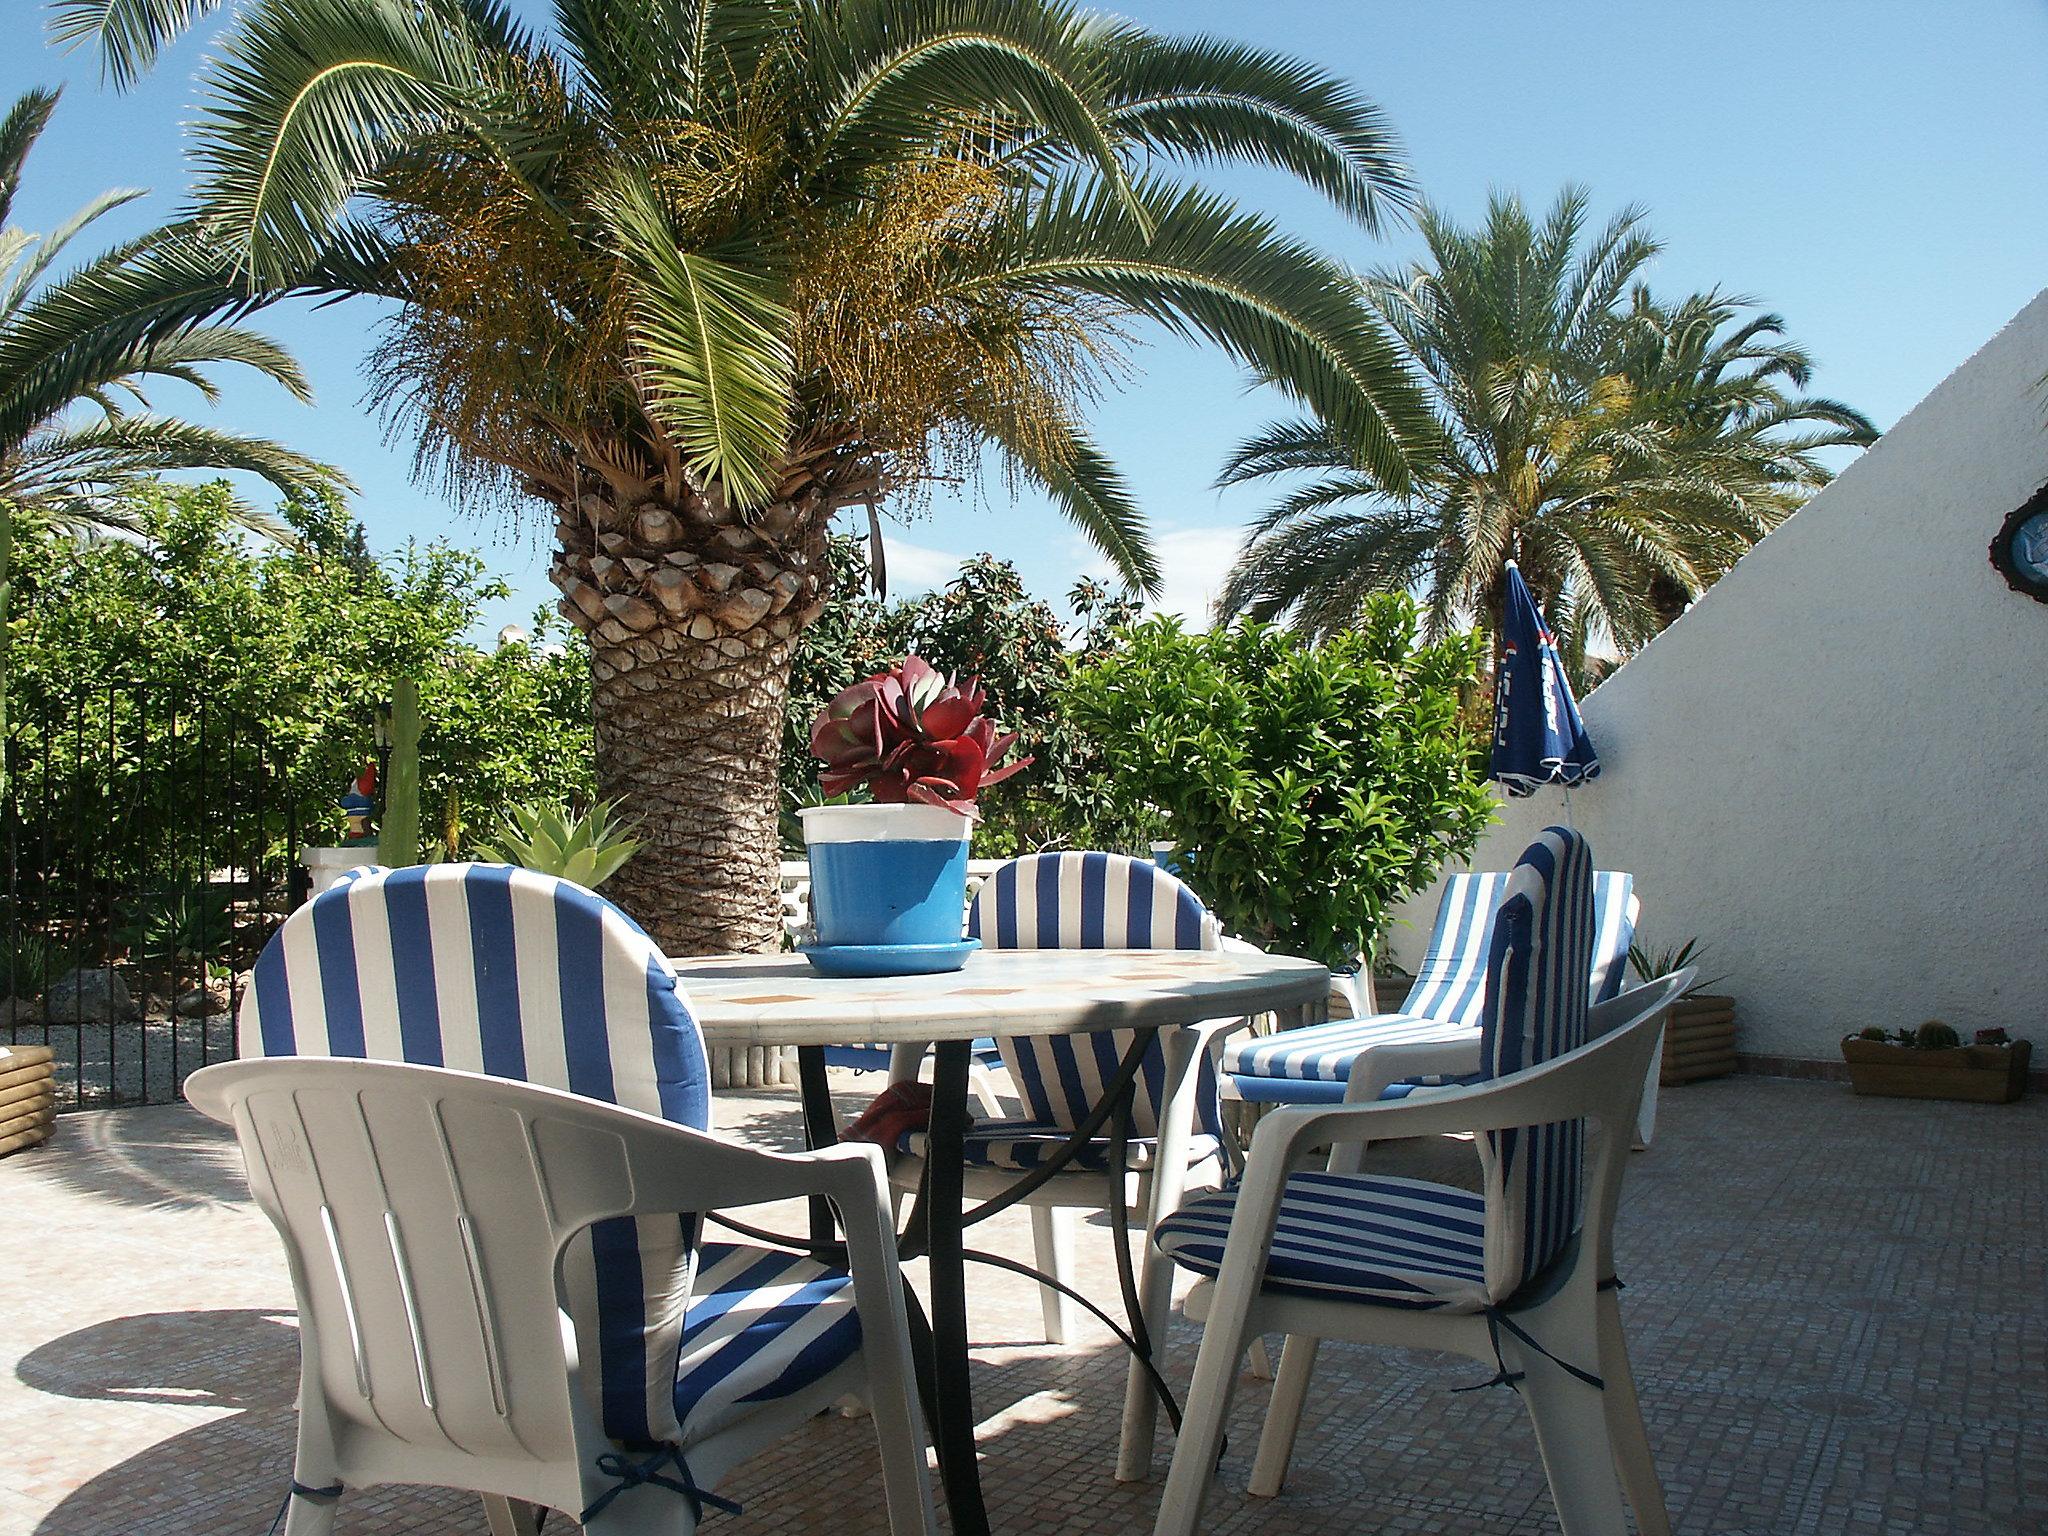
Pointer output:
486, 968
1091, 901
1450, 983
1536, 1005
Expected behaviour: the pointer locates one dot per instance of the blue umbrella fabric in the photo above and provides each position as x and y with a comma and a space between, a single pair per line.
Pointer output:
1538, 737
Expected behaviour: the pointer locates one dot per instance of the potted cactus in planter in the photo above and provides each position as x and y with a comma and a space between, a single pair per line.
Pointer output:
889, 876
1699, 1034
1932, 1062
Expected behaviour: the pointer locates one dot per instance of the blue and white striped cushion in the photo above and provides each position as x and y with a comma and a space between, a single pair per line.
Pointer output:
1536, 1006
486, 968
1353, 1237
1092, 901
1311, 1065
1023, 1144
763, 1324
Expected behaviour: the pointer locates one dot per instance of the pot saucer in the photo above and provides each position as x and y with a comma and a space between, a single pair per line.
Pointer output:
888, 959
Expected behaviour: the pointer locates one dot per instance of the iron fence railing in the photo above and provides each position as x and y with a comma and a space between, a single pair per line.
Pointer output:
150, 847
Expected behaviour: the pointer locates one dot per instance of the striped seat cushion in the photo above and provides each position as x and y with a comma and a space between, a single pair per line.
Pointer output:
486, 968
1323, 1053
1447, 1001
763, 1324
1353, 1237
1024, 1144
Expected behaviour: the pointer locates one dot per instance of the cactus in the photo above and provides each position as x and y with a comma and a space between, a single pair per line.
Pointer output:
1937, 1036
1875, 1032
398, 834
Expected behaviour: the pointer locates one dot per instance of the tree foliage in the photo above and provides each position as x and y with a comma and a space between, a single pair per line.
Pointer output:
1624, 450
1309, 787
121, 645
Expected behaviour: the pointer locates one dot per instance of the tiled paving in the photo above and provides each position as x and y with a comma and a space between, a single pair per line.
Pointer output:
1839, 1309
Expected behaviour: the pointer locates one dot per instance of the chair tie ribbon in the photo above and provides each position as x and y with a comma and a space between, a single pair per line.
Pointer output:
628, 1473
1496, 1320
299, 1490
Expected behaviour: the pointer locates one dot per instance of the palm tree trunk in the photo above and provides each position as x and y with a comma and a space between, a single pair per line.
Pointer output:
692, 614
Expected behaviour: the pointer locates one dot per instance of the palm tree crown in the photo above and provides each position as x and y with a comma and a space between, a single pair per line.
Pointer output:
698, 274
1624, 451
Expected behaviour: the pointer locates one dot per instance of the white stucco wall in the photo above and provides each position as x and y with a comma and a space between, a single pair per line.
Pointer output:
1834, 768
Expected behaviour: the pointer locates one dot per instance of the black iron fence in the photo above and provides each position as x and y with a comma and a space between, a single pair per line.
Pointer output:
151, 847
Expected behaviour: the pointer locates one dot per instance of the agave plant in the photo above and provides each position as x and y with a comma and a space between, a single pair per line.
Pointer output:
912, 734
586, 849
1652, 966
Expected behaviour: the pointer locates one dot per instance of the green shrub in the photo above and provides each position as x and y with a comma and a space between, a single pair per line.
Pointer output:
1308, 787
291, 652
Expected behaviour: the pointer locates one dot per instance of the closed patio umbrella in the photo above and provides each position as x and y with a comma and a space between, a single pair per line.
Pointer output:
1538, 737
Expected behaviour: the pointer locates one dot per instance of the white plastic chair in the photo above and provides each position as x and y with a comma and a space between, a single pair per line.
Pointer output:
429, 1217
1586, 1434
1088, 900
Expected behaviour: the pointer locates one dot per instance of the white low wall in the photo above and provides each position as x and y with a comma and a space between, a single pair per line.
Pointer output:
1834, 769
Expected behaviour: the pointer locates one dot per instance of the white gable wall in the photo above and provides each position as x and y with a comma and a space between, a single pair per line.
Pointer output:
1834, 768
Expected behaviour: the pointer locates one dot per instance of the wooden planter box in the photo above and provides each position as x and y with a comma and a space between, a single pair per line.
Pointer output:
1699, 1040
1973, 1074
28, 1096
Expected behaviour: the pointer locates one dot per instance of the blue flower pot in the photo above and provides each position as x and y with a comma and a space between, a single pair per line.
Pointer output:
888, 875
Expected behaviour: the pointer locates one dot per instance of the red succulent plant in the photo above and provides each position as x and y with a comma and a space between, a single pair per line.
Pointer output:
912, 734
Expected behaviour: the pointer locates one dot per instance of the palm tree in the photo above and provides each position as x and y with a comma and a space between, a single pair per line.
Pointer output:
76, 350
699, 274
1624, 452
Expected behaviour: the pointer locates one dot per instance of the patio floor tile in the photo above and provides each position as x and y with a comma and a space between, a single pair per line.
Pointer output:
1836, 1307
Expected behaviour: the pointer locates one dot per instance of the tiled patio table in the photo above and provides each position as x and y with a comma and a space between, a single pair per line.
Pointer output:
780, 1000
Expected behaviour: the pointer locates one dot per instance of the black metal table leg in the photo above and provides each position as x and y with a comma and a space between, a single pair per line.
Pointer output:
821, 1129
943, 1197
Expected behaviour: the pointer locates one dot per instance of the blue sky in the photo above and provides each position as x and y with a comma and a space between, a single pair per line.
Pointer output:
1877, 172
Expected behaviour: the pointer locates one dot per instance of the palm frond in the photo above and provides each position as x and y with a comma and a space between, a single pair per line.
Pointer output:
1204, 100
126, 34
887, 74
1086, 488
310, 99
19, 130
1208, 270
712, 338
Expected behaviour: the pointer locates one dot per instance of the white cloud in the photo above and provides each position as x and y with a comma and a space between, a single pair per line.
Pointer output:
915, 568
1192, 565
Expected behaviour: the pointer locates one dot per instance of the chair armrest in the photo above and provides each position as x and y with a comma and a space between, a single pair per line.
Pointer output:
1210, 1032
1381, 1066
1591, 1080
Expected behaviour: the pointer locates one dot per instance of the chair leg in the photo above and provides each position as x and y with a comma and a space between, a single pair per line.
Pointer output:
1260, 1363
645, 1511
983, 1084
310, 1517
1052, 1239
1578, 1455
511, 1517
1283, 1417
1638, 1468
1208, 1405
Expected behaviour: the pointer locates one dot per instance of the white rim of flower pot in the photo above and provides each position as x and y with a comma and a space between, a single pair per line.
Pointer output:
885, 824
